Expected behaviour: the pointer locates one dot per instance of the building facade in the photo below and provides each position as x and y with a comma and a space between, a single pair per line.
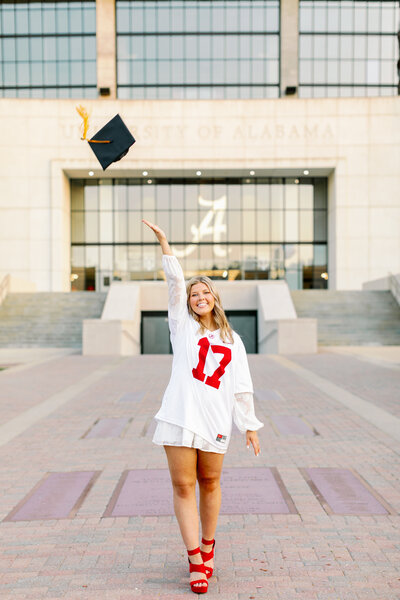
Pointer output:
267, 141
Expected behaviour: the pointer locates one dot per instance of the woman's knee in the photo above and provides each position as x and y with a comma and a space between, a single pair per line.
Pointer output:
184, 489
209, 483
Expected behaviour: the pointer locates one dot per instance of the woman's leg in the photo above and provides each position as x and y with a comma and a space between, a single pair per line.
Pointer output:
182, 462
209, 467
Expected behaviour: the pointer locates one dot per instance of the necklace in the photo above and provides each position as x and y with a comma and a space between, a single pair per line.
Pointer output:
211, 334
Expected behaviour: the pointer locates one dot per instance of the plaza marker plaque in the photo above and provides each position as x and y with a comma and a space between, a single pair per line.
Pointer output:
257, 490
107, 428
291, 425
342, 492
268, 395
57, 496
148, 492
143, 492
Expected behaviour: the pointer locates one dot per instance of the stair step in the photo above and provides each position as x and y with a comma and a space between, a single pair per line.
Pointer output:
351, 317
47, 319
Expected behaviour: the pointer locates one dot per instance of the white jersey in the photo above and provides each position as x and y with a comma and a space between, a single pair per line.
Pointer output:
207, 373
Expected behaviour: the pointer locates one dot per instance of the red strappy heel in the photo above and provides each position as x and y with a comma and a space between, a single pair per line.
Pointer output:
208, 556
199, 568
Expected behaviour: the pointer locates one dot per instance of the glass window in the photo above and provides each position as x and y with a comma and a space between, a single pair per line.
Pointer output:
135, 227
351, 33
276, 225
163, 221
277, 195
306, 226
204, 31
291, 196
120, 226
234, 226
320, 226
106, 226
92, 227
38, 58
248, 196
77, 227
177, 225
199, 220
291, 225
263, 226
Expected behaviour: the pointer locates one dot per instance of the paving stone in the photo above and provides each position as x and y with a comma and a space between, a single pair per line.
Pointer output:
310, 555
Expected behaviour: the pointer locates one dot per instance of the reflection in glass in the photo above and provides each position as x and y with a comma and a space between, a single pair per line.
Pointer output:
277, 225
90, 196
120, 226
106, 226
77, 227
105, 195
135, 227
291, 256
306, 225
291, 225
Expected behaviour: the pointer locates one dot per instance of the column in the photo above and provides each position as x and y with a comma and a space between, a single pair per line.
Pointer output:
106, 41
289, 45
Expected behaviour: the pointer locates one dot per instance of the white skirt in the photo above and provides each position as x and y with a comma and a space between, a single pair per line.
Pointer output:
167, 434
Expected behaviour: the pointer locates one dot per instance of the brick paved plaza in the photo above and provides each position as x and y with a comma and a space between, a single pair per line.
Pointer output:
306, 542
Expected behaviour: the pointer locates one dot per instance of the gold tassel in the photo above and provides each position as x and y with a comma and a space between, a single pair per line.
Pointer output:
82, 112
85, 125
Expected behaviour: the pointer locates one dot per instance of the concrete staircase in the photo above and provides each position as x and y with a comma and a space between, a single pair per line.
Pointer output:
359, 318
47, 319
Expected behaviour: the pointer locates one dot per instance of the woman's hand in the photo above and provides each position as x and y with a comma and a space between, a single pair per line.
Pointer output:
162, 238
252, 437
159, 232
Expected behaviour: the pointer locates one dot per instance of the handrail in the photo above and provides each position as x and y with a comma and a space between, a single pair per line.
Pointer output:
394, 287
4, 287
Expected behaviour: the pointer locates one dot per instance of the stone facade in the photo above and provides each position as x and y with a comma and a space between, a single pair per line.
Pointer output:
352, 141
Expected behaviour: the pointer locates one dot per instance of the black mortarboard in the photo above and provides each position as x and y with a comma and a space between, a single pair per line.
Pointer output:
112, 142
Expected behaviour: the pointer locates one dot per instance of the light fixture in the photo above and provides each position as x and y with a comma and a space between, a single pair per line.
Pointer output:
324, 275
149, 181
91, 173
145, 173
252, 172
247, 180
225, 274
198, 173
74, 276
306, 172
297, 180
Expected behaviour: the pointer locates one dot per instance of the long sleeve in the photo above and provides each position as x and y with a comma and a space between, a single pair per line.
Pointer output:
243, 381
177, 306
243, 413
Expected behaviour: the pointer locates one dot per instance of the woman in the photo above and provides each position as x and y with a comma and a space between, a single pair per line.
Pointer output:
210, 382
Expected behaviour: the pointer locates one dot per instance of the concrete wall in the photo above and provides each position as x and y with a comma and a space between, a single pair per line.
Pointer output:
353, 140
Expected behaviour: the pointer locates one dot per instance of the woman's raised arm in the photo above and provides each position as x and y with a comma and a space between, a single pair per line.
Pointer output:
162, 238
177, 308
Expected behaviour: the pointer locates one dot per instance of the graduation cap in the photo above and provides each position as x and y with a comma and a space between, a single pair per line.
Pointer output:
111, 143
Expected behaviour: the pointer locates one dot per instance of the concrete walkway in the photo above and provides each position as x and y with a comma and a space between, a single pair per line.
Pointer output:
55, 403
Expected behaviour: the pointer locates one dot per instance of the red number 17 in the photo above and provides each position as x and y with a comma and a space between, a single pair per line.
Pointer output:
198, 372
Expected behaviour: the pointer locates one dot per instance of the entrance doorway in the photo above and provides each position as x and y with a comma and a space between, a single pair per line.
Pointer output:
155, 332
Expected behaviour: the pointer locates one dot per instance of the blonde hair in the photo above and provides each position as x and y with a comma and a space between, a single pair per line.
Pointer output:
218, 312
